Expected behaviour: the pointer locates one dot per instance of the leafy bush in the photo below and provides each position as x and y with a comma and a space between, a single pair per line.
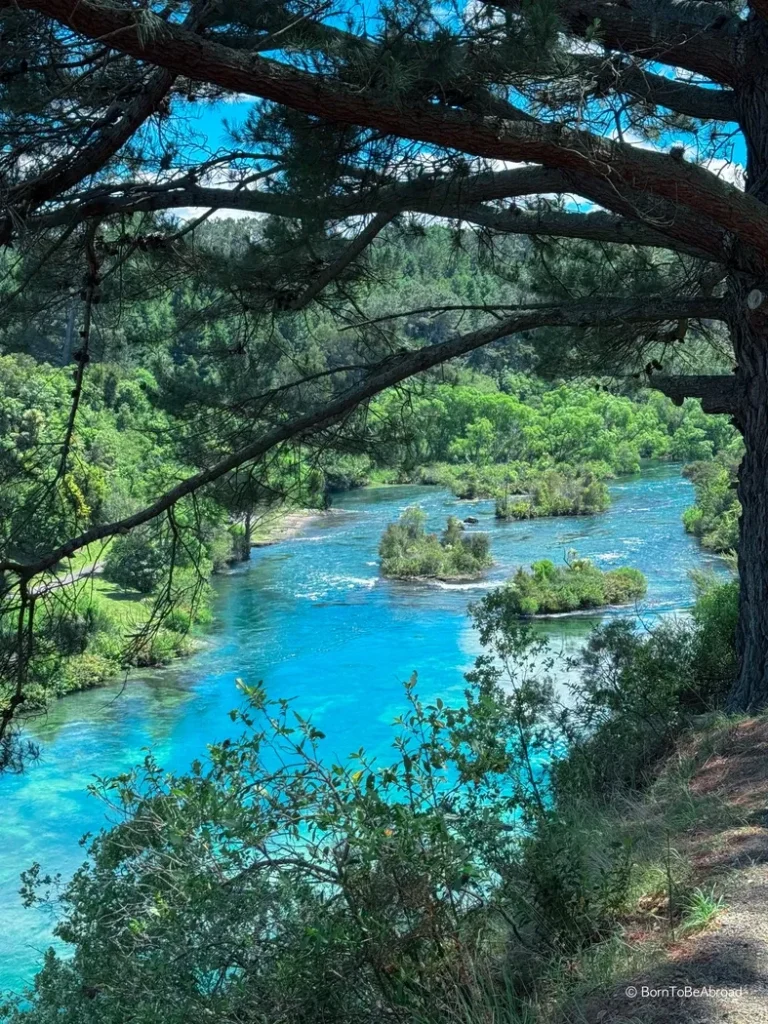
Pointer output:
557, 493
636, 690
471, 482
714, 519
572, 883
578, 585
137, 561
83, 671
337, 893
715, 615
624, 585
160, 647
407, 551
627, 706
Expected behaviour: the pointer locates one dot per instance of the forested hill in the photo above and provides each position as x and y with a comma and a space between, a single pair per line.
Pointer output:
177, 374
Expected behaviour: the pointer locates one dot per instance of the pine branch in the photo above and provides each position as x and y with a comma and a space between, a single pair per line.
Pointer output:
118, 125
337, 267
385, 374
699, 37
718, 394
681, 97
605, 168
454, 197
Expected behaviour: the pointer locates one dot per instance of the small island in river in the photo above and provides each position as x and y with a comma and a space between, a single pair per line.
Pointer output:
554, 492
578, 585
408, 552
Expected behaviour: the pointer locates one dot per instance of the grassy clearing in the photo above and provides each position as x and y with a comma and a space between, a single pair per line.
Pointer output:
91, 629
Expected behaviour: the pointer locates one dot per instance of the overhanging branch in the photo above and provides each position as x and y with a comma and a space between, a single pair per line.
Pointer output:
119, 124
389, 372
718, 394
593, 158
681, 97
454, 197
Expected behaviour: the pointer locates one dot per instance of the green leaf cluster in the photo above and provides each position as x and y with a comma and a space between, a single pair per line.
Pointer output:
577, 586
407, 551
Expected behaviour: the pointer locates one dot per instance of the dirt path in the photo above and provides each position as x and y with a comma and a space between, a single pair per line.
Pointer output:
64, 581
719, 975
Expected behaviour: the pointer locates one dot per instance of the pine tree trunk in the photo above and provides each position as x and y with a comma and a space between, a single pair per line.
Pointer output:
247, 537
748, 298
750, 339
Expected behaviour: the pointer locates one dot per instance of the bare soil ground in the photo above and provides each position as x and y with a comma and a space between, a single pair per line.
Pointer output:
721, 973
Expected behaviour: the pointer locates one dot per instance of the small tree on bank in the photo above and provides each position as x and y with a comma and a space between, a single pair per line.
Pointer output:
595, 128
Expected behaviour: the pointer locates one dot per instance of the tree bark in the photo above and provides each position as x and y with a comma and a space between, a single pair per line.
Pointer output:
247, 525
748, 320
750, 338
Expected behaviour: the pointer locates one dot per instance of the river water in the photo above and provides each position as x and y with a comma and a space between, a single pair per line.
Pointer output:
312, 620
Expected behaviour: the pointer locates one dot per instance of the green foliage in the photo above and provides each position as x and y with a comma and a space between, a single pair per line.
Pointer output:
714, 519
170, 386
86, 637
702, 909
407, 551
716, 615
272, 883
137, 561
578, 585
636, 690
521, 420
557, 493
335, 892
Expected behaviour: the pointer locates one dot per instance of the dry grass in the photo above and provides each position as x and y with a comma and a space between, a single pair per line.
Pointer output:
698, 922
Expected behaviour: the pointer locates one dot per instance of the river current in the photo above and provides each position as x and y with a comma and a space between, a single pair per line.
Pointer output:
311, 619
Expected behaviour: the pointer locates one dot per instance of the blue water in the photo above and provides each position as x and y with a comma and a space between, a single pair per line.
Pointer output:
311, 618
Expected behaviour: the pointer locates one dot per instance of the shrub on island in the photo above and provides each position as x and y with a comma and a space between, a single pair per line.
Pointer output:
407, 551
576, 586
556, 492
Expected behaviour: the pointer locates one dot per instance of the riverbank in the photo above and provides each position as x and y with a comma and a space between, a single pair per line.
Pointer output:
276, 525
114, 633
119, 634
312, 622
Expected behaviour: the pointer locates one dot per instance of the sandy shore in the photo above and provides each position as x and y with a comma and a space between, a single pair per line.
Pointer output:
280, 526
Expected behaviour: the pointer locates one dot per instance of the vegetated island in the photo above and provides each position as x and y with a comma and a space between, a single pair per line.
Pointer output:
408, 552
553, 492
576, 586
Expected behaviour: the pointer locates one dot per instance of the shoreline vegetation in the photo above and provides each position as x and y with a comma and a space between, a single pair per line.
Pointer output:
408, 552
536, 448
579, 585
557, 493
117, 629
587, 858
111, 613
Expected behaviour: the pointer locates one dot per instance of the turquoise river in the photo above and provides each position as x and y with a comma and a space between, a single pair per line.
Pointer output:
311, 618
